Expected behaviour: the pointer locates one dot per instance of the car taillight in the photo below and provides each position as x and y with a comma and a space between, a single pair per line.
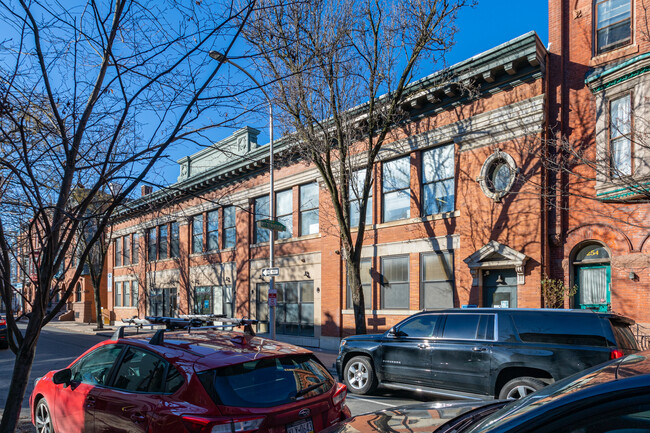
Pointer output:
3, 322
200, 424
615, 354
340, 394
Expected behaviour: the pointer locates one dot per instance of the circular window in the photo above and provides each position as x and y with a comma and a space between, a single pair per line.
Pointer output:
497, 175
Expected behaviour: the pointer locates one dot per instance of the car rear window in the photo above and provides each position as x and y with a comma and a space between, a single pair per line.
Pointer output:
624, 336
267, 382
553, 328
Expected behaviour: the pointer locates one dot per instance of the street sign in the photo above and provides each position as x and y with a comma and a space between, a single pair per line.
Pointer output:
269, 224
273, 299
270, 272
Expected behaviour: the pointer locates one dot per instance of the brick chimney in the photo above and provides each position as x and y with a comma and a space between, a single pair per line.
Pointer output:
146, 190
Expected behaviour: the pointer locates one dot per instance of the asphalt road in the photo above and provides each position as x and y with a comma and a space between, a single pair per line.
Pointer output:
56, 348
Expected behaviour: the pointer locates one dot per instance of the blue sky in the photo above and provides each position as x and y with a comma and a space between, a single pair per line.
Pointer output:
490, 23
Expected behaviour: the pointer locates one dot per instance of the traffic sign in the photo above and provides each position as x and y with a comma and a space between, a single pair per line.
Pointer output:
271, 225
270, 272
273, 299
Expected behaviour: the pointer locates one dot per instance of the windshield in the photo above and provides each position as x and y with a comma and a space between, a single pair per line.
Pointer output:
267, 382
585, 379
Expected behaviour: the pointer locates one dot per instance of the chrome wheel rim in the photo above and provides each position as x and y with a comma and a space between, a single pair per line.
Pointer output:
357, 375
43, 419
520, 391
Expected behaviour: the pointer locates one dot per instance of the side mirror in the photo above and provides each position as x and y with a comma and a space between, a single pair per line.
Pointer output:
391, 332
62, 376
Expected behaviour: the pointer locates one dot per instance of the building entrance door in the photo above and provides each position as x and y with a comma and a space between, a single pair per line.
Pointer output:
500, 288
593, 277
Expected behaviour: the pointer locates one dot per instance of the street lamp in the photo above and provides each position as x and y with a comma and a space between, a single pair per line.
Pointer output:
221, 58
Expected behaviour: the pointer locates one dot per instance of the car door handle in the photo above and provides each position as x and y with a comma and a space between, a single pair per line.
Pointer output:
423, 346
479, 349
137, 418
90, 401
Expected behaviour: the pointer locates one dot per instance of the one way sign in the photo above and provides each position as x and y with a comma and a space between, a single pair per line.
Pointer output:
270, 272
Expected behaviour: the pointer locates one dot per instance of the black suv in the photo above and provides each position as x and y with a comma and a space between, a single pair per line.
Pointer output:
483, 352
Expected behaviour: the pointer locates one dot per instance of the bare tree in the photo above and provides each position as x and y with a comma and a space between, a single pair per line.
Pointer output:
339, 72
91, 95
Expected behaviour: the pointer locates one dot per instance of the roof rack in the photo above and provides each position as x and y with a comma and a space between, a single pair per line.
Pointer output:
185, 322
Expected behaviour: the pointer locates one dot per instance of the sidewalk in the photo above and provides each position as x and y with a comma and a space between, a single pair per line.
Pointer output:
327, 357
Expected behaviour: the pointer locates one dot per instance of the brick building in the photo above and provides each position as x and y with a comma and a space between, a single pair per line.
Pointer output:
458, 216
598, 89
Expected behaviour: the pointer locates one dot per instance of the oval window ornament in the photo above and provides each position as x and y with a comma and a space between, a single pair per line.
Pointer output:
497, 175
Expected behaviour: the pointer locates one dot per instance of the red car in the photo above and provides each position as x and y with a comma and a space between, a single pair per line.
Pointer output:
195, 382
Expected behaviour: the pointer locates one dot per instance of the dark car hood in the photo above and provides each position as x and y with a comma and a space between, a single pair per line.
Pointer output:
364, 337
417, 418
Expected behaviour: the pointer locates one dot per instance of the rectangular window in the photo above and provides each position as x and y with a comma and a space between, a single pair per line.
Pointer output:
284, 212
438, 180
395, 282
261, 213
118, 252
151, 244
229, 233
135, 294
213, 230
294, 310
127, 250
308, 209
197, 233
613, 24
174, 240
213, 300
620, 135
162, 242
396, 189
366, 285
127, 293
355, 194
135, 257
118, 294
437, 282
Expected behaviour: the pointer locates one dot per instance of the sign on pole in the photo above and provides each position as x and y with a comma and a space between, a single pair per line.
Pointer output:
270, 224
270, 272
273, 299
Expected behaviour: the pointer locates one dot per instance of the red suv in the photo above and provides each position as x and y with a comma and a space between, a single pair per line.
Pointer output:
196, 382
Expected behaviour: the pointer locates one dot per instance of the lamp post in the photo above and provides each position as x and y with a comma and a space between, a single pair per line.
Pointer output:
221, 58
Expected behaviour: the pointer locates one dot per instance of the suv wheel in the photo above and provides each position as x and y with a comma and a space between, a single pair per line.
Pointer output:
360, 376
520, 387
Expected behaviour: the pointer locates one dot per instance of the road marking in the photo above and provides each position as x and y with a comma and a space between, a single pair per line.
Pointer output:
354, 397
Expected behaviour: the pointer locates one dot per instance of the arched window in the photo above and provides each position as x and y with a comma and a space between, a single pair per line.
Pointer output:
77, 293
592, 276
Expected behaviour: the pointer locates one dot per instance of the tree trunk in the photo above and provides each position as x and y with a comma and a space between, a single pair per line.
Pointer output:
353, 268
98, 306
20, 377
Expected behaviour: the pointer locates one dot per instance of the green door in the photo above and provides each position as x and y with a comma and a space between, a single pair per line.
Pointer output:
593, 283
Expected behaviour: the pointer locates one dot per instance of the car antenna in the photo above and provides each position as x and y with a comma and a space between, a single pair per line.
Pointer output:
159, 338
119, 333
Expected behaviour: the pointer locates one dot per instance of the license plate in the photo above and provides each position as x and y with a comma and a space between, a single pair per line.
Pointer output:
302, 426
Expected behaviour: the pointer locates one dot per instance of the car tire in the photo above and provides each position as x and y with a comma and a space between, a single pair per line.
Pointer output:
359, 375
4, 345
520, 387
43, 418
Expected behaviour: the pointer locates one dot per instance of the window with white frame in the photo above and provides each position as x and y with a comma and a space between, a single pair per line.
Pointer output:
118, 252
127, 294
438, 180
620, 136
197, 233
151, 244
174, 240
127, 250
309, 209
396, 183
613, 24
366, 285
261, 213
437, 280
135, 257
355, 195
284, 212
395, 283
134, 293
162, 242
213, 230
229, 232
118, 293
